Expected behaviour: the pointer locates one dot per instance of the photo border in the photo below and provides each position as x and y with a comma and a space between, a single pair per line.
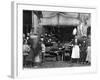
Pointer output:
16, 64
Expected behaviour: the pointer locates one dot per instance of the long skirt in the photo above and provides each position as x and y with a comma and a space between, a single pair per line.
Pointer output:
75, 52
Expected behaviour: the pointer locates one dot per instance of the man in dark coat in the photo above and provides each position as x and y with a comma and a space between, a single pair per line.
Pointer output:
83, 48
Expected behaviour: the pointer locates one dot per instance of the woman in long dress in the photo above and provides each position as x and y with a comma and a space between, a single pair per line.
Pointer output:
75, 52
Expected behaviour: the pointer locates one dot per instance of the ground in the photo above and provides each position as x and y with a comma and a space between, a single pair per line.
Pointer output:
57, 64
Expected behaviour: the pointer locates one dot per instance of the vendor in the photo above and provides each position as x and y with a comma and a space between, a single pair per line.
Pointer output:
75, 51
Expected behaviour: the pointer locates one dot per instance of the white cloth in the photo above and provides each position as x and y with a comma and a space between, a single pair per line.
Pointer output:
43, 47
74, 31
75, 52
88, 58
37, 59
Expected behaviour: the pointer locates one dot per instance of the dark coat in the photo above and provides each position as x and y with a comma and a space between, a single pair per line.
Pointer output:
35, 49
83, 44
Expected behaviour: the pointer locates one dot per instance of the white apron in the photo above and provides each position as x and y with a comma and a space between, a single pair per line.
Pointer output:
75, 52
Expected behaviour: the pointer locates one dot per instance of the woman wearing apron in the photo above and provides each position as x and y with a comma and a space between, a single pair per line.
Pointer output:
75, 52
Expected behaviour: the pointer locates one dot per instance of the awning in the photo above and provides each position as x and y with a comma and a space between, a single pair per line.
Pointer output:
60, 19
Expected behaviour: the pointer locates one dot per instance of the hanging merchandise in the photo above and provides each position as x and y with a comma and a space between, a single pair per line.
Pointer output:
74, 31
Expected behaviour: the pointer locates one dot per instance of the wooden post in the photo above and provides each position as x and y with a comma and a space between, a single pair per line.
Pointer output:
34, 22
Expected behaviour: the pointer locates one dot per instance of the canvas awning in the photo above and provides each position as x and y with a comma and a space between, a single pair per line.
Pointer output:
60, 19
63, 18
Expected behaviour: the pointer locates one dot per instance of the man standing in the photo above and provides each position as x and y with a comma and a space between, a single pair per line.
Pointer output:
83, 49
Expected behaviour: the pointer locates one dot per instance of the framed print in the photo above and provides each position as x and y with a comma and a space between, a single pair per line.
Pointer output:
52, 40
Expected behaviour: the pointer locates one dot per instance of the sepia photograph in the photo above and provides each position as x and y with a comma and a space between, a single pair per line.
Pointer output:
54, 39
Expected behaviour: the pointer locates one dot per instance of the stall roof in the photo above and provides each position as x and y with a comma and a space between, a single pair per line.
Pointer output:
61, 18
